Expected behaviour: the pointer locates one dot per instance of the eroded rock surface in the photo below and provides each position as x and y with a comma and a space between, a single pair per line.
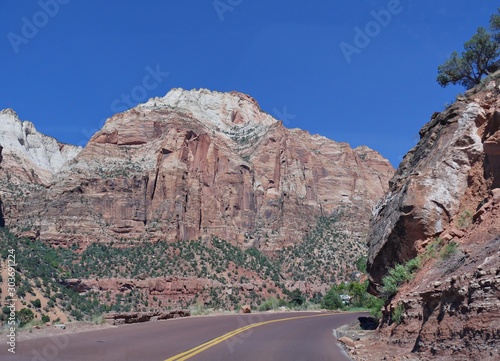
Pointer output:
199, 163
29, 162
446, 192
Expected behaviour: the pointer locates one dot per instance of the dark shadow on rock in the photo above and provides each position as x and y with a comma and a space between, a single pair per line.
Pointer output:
2, 221
368, 323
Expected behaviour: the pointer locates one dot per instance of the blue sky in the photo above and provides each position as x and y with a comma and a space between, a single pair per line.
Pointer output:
67, 65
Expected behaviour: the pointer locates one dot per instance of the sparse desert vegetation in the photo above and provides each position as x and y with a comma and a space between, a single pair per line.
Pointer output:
229, 276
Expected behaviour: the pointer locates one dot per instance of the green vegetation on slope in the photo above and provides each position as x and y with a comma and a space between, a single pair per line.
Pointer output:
402, 273
41, 267
236, 276
326, 256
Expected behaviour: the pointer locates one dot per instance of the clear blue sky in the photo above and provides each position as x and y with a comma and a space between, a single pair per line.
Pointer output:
66, 68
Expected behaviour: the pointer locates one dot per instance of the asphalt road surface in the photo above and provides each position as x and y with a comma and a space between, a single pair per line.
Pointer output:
289, 336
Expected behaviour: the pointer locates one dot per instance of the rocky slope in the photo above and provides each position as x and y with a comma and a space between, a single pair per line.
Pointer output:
199, 163
444, 205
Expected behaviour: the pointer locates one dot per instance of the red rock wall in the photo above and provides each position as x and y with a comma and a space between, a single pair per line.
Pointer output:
446, 187
159, 174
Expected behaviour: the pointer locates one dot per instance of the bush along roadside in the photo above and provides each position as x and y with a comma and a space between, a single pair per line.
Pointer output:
352, 296
403, 273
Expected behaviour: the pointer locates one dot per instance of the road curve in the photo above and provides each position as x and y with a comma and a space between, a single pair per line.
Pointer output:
257, 337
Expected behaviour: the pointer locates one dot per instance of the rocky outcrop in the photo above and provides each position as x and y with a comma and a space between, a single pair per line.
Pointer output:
177, 292
451, 311
27, 155
450, 171
245, 309
120, 318
444, 205
167, 286
199, 163
29, 161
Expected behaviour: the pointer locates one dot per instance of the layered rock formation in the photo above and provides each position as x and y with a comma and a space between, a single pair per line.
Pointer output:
27, 155
444, 202
199, 163
121, 318
28, 162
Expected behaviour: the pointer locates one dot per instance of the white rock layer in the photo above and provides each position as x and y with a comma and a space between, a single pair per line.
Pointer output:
22, 144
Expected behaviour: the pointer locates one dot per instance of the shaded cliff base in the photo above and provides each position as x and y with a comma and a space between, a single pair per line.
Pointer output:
450, 311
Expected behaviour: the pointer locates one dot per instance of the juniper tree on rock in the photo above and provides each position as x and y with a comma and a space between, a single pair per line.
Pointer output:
479, 55
495, 26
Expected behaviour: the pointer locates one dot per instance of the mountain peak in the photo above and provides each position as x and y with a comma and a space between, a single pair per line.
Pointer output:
222, 110
9, 112
232, 114
24, 146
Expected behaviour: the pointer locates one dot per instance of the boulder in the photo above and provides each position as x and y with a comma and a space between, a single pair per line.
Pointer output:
347, 341
245, 309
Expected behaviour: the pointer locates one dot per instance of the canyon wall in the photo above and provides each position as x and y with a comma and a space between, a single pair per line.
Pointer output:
195, 164
444, 204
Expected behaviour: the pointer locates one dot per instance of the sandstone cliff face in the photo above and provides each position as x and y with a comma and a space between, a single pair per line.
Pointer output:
199, 163
452, 169
448, 186
28, 162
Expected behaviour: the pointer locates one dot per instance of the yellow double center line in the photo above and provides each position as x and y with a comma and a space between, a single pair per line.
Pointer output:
198, 349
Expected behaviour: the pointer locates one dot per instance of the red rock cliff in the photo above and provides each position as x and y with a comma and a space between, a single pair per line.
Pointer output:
199, 163
444, 202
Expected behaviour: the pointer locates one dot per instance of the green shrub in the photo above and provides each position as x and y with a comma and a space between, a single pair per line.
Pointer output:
392, 281
25, 315
361, 264
397, 314
433, 248
389, 286
296, 297
271, 304
199, 309
465, 219
98, 319
448, 250
414, 264
332, 300
376, 308
399, 275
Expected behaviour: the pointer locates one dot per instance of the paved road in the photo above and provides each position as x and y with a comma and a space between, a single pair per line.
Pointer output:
285, 336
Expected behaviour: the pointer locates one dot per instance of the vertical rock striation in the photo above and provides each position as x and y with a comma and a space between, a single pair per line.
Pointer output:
200, 163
